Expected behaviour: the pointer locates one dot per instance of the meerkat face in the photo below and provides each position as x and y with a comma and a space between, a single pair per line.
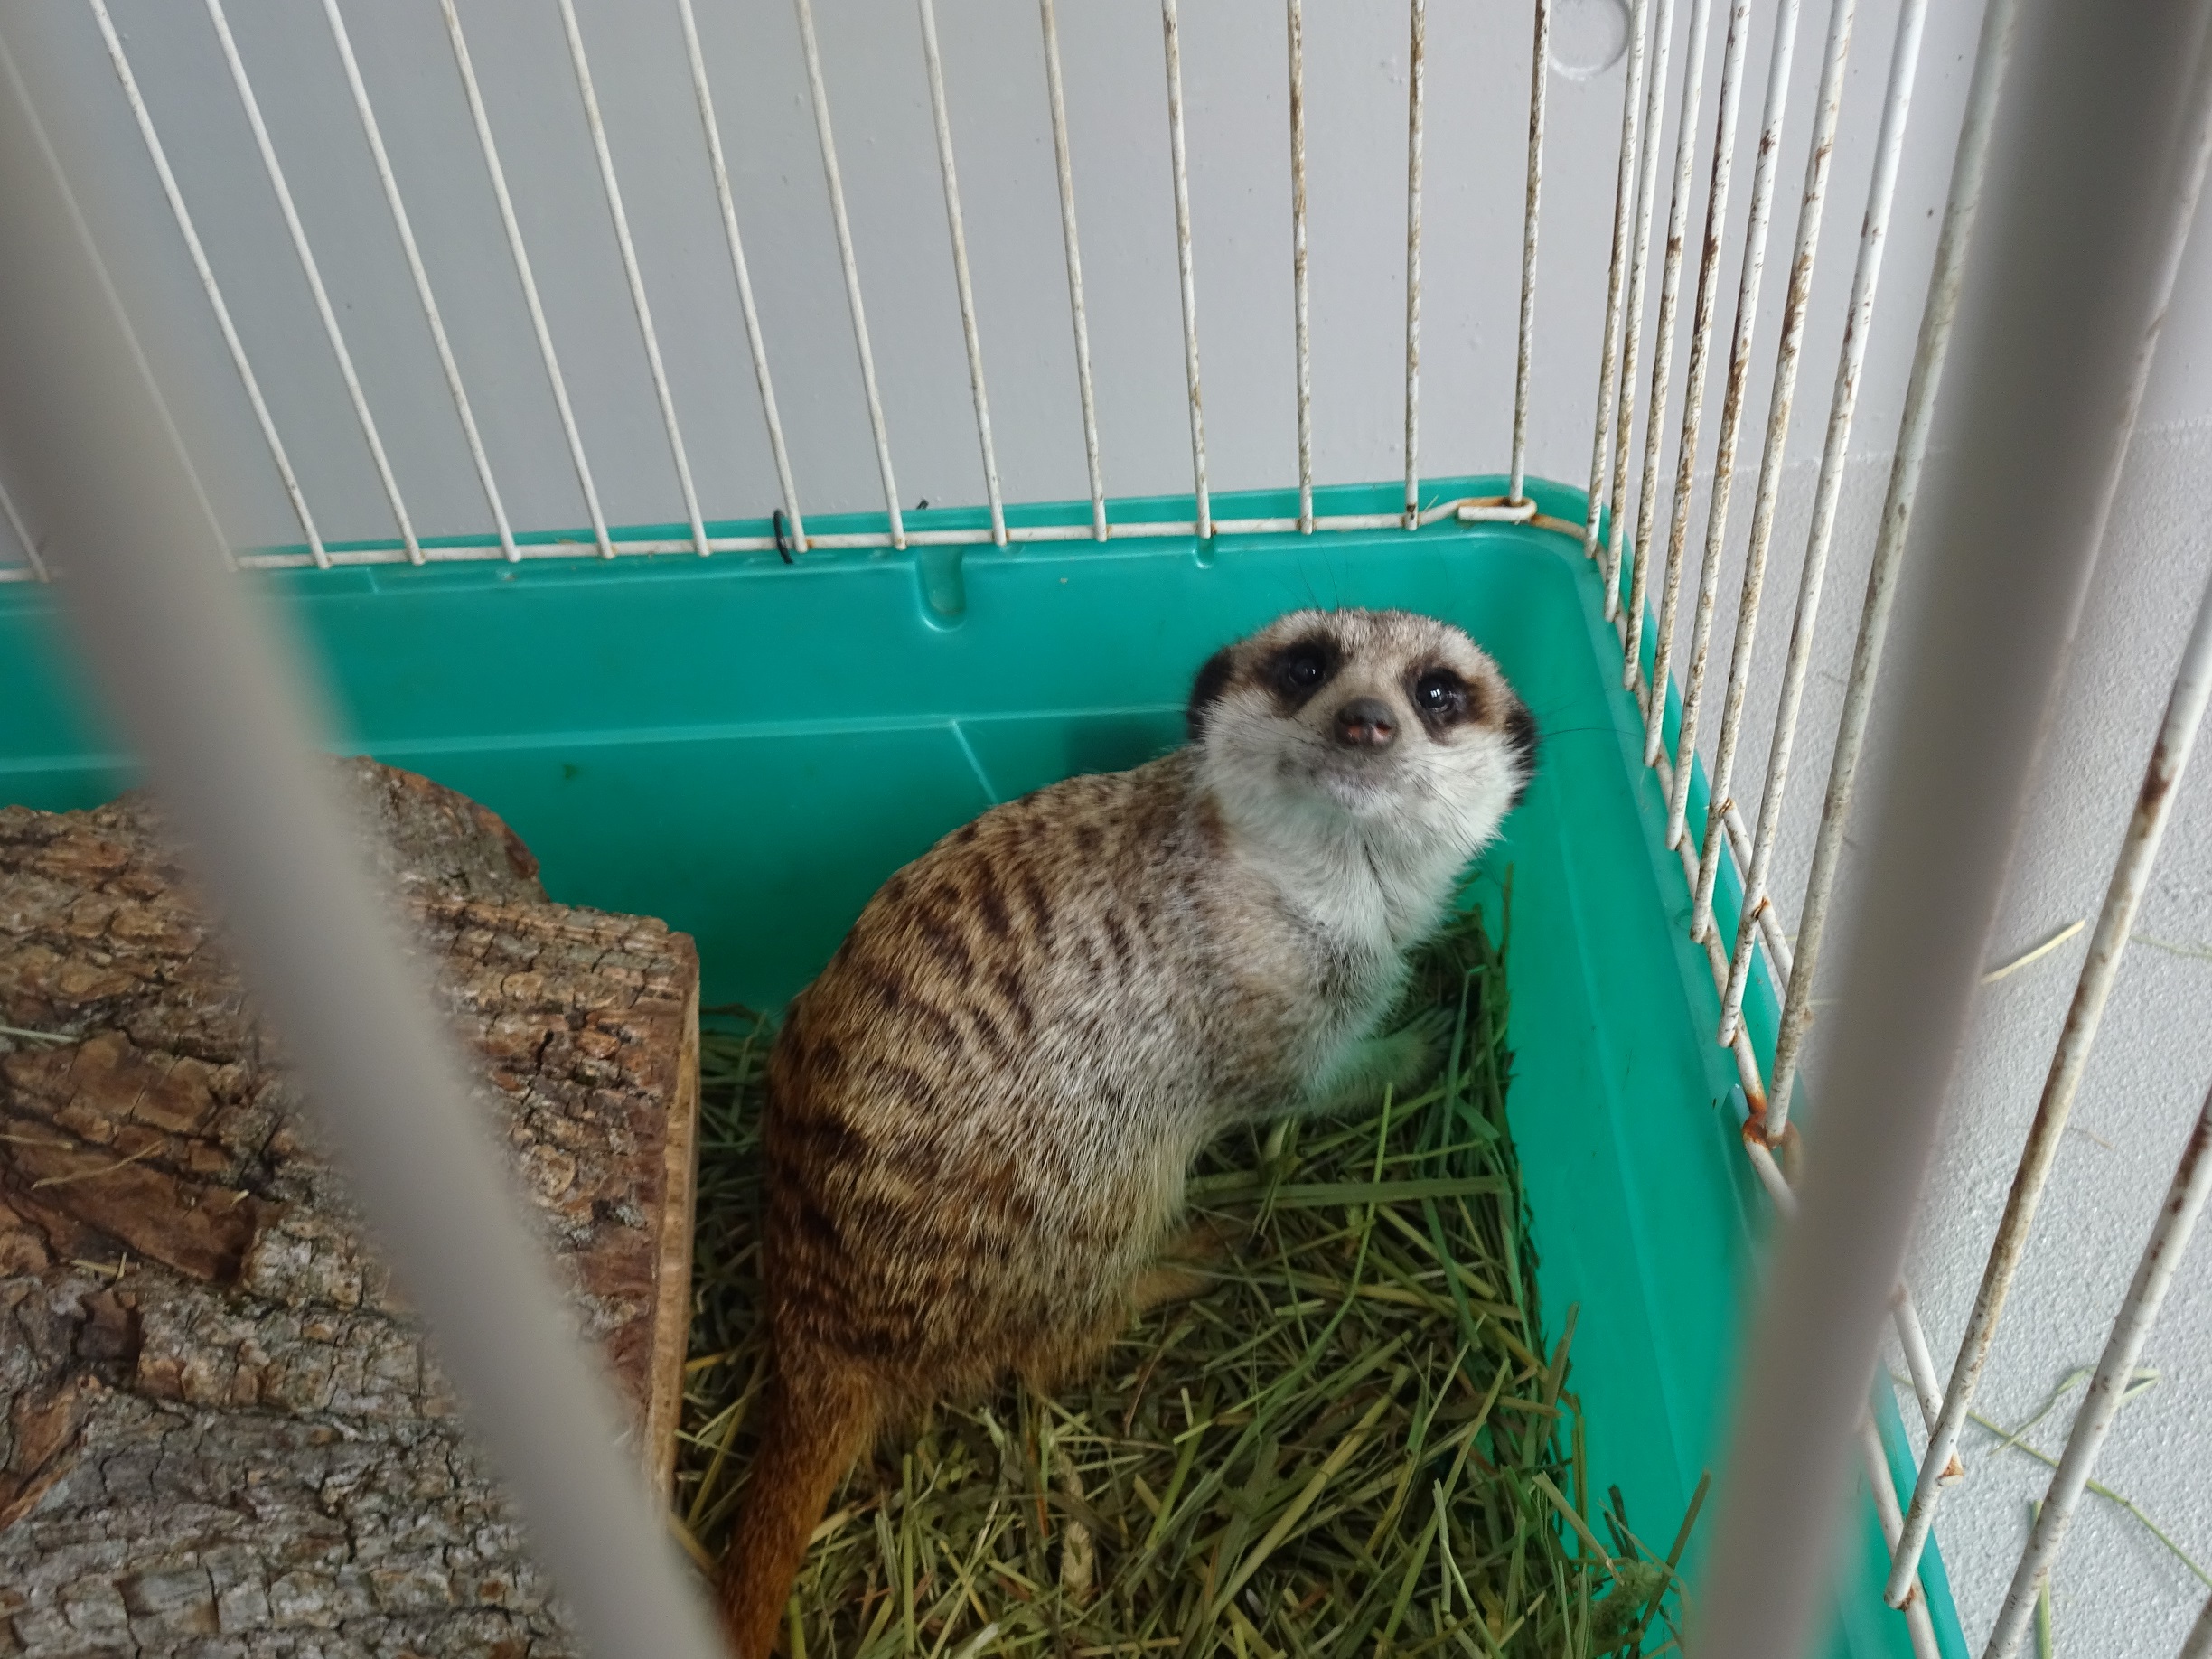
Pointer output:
1397, 723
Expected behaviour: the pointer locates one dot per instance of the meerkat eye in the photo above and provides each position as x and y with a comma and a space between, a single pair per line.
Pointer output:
1440, 692
1303, 668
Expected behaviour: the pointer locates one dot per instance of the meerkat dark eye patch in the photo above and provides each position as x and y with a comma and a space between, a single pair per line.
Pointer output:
1441, 698
1207, 689
1521, 732
1300, 668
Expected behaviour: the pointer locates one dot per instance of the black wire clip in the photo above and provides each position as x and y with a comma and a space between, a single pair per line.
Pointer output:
782, 535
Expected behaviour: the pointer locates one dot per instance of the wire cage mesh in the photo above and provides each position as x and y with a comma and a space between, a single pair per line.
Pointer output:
602, 375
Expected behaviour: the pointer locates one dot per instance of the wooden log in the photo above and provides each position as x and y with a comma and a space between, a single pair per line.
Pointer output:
219, 1431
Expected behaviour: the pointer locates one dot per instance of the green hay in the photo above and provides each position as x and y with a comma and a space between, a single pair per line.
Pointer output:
1359, 1442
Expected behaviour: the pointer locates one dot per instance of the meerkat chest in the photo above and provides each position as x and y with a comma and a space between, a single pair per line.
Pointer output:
1333, 931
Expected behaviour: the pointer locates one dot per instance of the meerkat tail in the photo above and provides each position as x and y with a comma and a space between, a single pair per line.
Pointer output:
817, 1424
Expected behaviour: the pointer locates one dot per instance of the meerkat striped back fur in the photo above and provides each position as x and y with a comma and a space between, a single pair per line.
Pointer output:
980, 1115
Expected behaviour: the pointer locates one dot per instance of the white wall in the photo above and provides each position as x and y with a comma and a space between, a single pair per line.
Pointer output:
2117, 1591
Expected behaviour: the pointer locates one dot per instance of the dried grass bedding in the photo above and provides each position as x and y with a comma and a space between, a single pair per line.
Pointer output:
1360, 1441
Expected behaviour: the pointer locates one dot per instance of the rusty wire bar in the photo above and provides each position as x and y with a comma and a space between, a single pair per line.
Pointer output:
1525, 352
1740, 342
1939, 311
819, 94
1694, 391
727, 198
943, 120
1751, 277
1842, 404
1296, 23
519, 253
2146, 828
1745, 1056
1779, 951
1919, 1625
313, 273
1617, 272
1416, 52
1631, 343
2052, 361
1663, 345
1172, 33
1072, 249
1920, 1361
206, 272
663, 393
435, 319
2154, 1273
1828, 108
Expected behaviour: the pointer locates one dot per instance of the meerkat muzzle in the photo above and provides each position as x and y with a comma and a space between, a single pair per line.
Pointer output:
1366, 723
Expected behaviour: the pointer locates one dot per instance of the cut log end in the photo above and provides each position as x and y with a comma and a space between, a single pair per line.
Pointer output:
216, 1415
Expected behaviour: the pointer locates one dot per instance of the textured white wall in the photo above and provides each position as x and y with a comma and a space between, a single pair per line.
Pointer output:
2117, 1590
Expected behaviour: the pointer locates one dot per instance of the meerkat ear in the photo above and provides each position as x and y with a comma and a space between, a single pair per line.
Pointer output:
1207, 689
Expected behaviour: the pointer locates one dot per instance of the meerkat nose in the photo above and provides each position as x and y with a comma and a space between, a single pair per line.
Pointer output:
1366, 723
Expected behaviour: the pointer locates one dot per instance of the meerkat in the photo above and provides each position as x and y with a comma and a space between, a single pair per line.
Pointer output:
980, 1115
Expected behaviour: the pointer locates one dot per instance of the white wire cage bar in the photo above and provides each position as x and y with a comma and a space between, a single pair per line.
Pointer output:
1920, 1626
1524, 351
1858, 327
313, 272
189, 233
1941, 1466
1675, 779
1639, 132
679, 454
2154, 1276
1171, 34
1601, 472
819, 95
1670, 300
1619, 530
2146, 828
540, 331
1417, 52
1797, 306
757, 344
1301, 298
1674, 775
1072, 251
456, 550
432, 317
1939, 313
1753, 275
1975, 689
1719, 180
969, 336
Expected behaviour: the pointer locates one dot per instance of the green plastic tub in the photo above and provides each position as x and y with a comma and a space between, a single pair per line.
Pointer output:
748, 748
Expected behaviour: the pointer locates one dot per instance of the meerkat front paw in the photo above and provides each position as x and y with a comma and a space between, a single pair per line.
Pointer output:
1205, 1240
1402, 1063
1421, 1049
1168, 1282
1187, 1265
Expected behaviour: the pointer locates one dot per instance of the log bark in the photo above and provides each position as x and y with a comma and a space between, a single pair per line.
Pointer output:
221, 1433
